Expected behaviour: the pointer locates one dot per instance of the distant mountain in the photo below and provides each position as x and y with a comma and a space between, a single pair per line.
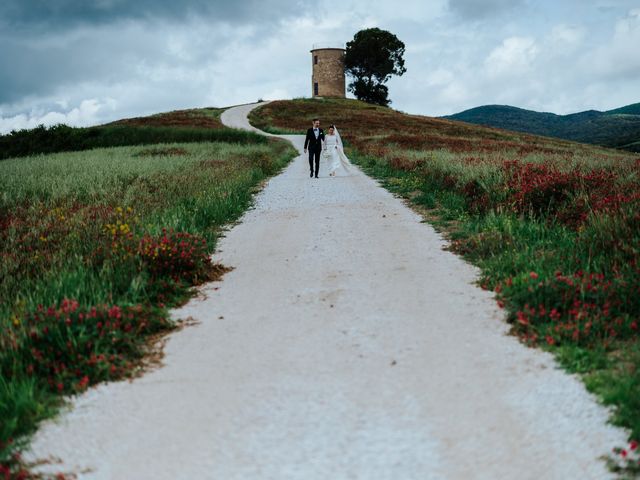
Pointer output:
619, 128
633, 109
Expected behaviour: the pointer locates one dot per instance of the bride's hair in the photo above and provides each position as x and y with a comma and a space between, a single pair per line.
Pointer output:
332, 126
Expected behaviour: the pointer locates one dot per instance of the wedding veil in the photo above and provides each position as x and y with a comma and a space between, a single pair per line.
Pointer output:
338, 138
345, 160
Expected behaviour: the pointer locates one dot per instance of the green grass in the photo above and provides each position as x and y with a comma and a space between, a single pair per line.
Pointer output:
254, 119
126, 231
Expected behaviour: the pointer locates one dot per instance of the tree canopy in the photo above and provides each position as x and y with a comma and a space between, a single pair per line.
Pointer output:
372, 57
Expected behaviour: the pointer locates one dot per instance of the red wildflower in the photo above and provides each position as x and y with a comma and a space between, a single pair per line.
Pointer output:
522, 318
84, 381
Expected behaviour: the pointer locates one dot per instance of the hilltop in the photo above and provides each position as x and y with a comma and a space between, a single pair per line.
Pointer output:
618, 128
377, 130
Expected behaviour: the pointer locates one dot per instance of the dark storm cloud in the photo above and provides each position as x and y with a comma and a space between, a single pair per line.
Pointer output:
35, 66
33, 69
482, 8
47, 44
59, 14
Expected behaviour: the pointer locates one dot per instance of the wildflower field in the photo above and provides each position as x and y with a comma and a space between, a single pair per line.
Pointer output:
553, 225
95, 246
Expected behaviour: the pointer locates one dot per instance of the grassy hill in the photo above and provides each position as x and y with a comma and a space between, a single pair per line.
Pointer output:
552, 224
195, 125
619, 128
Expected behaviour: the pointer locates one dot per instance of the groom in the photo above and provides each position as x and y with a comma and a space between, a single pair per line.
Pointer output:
314, 139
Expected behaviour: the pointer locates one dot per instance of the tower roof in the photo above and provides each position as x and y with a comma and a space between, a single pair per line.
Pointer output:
328, 46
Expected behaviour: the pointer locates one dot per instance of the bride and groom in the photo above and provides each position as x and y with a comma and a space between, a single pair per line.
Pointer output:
330, 145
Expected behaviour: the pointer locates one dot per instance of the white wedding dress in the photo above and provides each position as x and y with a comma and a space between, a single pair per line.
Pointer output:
338, 162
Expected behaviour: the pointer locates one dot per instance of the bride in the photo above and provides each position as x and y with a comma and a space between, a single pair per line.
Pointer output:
334, 153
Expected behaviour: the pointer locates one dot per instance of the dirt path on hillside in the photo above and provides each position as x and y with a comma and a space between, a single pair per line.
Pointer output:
345, 344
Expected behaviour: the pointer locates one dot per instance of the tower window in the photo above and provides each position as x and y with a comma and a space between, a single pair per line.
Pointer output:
315, 88
315, 59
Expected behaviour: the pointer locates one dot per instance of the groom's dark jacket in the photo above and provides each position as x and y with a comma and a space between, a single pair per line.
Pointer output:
311, 142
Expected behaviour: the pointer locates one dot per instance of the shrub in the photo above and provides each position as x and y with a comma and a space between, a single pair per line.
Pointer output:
62, 138
538, 188
582, 308
178, 255
69, 347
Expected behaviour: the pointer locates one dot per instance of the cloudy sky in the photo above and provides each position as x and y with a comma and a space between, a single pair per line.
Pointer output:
85, 62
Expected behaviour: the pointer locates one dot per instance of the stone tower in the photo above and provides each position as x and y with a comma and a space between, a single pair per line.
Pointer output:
327, 78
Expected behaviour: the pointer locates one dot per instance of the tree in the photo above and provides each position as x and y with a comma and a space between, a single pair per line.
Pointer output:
371, 58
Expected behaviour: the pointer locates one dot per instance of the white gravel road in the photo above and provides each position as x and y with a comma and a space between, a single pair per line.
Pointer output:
345, 344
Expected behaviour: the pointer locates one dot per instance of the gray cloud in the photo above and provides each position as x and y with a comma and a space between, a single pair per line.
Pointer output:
60, 14
109, 41
37, 69
473, 9
92, 62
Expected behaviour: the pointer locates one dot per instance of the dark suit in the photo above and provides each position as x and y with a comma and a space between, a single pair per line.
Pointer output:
315, 147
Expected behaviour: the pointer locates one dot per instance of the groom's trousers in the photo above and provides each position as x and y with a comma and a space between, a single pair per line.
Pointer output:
314, 157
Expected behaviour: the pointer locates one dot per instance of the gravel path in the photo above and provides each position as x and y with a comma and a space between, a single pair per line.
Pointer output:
346, 344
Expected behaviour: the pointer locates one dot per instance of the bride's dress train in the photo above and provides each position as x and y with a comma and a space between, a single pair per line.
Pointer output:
339, 164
